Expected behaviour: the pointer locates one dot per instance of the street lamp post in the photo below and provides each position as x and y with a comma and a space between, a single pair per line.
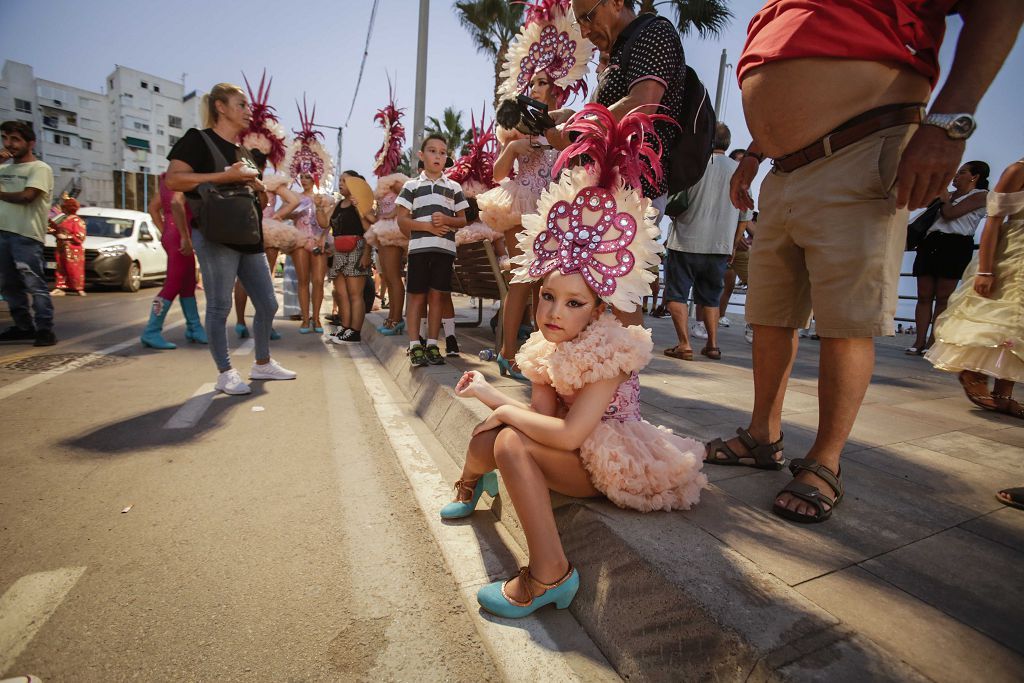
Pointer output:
337, 170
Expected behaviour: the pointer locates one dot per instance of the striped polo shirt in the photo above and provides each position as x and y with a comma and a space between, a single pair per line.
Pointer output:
423, 196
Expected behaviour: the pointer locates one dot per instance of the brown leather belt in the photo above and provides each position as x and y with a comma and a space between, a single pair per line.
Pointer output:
854, 130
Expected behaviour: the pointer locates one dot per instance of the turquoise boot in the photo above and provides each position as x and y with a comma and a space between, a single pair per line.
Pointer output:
194, 331
152, 336
457, 510
561, 593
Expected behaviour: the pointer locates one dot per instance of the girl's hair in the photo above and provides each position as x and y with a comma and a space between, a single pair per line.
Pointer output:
354, 174
980, 169
222, 92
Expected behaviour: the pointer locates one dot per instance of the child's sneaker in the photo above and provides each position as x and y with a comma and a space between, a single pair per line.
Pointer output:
451, 345
418, 356
434, 356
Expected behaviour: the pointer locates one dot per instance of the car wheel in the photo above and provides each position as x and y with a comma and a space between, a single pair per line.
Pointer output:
133, 279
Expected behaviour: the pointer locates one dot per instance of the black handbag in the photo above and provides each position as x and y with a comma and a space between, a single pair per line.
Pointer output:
226, 214
920, 226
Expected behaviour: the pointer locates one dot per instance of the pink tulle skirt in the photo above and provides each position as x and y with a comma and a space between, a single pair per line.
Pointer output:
476, 232
386, 233
280, 235
502, 207
643, 467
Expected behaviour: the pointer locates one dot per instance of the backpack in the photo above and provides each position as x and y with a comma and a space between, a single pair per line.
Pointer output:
687, 159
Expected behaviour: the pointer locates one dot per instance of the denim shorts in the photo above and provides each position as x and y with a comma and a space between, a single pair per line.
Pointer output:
705, 273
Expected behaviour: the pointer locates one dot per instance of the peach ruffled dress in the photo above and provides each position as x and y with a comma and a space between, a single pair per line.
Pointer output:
634, 463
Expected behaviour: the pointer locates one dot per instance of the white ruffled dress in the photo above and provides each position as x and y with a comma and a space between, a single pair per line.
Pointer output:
634, 463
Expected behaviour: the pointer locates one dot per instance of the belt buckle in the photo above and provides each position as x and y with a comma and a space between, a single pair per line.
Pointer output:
826, 142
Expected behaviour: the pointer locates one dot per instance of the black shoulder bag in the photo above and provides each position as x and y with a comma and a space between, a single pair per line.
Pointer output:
226, 214
920, 226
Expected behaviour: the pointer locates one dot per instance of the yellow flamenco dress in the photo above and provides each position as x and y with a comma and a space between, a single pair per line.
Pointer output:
986, 334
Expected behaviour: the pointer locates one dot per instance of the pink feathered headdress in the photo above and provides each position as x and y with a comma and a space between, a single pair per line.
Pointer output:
389, 156
306, 154
264, 132
594, 221
475, 169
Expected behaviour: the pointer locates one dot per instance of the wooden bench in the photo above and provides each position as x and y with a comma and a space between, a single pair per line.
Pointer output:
478, 275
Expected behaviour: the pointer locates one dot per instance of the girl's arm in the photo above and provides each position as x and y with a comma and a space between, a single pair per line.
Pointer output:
324, 208
181, 220
503, 164
1012, 180
950, 211
567, 433
290, 201
156, 213
473, 385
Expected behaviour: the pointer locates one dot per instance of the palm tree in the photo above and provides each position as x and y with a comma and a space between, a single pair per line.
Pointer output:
451, 129
708, 17
492, 24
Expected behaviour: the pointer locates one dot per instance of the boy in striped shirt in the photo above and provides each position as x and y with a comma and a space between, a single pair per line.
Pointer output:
430, 209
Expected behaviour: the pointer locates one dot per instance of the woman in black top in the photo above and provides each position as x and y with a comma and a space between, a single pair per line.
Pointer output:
350, 269
227, 114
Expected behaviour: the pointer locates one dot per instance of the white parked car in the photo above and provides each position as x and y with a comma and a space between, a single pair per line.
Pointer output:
122, 248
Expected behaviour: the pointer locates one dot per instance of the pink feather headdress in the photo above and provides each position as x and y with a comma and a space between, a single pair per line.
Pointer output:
594, 220
265, 132
475, 169
306, 154
389, 156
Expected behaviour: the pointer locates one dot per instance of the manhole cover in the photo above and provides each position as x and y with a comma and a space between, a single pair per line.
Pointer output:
57, 361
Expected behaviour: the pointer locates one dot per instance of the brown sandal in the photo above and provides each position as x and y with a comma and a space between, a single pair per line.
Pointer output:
762, 455
712, 352
674, 352
824, 503
973, 395
1010, 407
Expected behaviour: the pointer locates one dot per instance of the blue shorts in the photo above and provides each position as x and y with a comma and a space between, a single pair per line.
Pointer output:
705, 273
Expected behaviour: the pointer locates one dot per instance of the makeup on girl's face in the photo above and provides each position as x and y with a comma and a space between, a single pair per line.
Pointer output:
567, 305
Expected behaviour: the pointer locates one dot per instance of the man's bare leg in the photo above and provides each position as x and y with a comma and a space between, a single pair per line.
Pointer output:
681, 320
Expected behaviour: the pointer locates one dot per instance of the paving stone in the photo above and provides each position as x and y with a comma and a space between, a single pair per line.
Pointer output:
983, 451
1012, 436
1005, 525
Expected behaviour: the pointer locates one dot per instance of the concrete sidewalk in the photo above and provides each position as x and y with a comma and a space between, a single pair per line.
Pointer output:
916, 577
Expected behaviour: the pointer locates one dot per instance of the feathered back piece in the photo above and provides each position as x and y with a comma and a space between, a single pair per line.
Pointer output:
265, 132
594, 220
544, 11
306, 154
475, 169
389, 156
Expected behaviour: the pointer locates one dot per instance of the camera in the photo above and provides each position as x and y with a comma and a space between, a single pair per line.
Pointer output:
525, 114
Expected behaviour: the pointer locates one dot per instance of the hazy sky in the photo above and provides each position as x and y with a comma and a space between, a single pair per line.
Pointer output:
314, 47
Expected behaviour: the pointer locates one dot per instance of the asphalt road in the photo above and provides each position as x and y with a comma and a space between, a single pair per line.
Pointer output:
152, 531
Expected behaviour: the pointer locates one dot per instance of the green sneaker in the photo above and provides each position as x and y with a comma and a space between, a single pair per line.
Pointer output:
434, 356
418, 357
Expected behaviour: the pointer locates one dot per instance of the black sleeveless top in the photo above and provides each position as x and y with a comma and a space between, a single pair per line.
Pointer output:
345, 221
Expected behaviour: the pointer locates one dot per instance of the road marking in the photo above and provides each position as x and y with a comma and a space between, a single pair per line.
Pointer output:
26, 606
37, 379
189, 414
245, 348
64, 343
524, 652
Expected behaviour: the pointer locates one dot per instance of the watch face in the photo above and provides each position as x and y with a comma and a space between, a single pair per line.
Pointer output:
961, 127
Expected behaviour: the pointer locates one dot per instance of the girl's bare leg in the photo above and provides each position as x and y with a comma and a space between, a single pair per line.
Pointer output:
301, 259
356, 304
515, 305
391, 268
318, 272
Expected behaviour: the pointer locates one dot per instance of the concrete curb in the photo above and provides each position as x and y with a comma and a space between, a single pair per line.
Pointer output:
664, 600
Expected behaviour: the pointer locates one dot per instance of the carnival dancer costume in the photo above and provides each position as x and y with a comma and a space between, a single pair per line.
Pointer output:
548, 42
307, 155
594, 223
986, 334
385, 232
474, 171
266, 134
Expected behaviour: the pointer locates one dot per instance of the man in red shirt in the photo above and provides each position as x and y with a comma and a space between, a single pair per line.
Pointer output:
835, 94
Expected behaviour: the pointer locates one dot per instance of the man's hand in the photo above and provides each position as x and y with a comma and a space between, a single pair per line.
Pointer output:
5, 155
739, 186
927, 166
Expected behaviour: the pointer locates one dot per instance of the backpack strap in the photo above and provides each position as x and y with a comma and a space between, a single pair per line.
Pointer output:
218, 156
638, 26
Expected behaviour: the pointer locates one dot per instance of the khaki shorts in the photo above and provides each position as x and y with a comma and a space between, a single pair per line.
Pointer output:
740, 265
829, 237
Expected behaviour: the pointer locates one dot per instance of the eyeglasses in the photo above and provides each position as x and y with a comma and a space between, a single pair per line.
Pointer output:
587, 17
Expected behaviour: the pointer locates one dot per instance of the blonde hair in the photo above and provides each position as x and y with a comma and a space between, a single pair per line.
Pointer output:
222, 92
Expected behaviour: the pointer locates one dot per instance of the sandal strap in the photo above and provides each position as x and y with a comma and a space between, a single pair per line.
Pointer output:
524, 579
831, 478
809, 494
468, 485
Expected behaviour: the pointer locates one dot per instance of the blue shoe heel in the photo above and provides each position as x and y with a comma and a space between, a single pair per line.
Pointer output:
305, 330
459, 509
505, 367
395, 331
241, 330
492, 597
274, 334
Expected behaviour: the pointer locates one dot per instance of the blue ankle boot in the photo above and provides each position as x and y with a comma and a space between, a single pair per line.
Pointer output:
457, 510
152, 336
492, 597
194, 331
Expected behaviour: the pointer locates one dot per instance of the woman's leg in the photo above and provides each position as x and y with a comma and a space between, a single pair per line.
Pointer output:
341, 299
181, 272
391, 269
317, 273
923, 310
530, 470
254, 274
301, 258
356, 303
240, 298
272, 254
220, 266
944, 287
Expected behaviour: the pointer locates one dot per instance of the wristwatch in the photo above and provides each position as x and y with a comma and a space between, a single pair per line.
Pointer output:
957, 126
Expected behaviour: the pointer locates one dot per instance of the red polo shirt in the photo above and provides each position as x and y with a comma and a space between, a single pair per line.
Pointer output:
907, 32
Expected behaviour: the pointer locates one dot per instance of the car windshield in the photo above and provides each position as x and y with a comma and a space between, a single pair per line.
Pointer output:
99, 226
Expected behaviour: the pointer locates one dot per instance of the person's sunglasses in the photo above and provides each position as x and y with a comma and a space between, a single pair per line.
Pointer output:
587, 17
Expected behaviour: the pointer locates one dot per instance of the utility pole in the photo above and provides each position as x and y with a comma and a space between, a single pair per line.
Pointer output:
419, 113
337, 165
721, 81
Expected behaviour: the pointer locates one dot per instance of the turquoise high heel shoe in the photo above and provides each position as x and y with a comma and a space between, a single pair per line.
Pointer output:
492, 597
395, 331
305, 330
274, 334
241, 330
506, 369
459, 509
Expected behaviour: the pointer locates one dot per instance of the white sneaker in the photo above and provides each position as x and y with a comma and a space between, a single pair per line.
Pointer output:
724, 322
748, 334
271, 370
698, 330
230, 382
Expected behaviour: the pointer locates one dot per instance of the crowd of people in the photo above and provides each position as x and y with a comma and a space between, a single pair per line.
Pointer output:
572, 201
